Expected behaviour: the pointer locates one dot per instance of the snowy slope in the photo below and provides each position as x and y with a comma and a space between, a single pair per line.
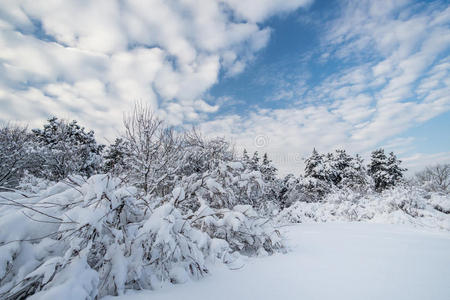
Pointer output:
332, 261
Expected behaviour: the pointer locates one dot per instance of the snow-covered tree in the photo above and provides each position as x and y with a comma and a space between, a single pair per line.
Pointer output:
315, 167
394, 169
287, 194
245, 156
151, 154
385, 171
346, 171
268, 170
66, 149
14, 154
318, 176
114, 157
435, 178
254, 161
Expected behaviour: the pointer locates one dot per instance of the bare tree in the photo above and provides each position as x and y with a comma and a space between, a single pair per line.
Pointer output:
152, 148
435, 178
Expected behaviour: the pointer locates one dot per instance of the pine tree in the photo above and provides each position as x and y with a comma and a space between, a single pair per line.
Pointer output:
377, 169
268, 171
289, 191
357, 177
385, 171
65, 149
314, 166
245, 155
394, 170
114, 157
347, 171
254, 162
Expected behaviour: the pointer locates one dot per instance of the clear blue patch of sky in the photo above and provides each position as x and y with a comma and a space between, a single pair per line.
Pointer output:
291, 50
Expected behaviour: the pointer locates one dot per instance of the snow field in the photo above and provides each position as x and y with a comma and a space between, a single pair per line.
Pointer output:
348, 261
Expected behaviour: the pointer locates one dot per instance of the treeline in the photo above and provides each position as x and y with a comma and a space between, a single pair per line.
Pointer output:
326, 173
154, 158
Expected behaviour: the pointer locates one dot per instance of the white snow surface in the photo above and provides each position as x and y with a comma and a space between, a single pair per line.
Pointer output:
352, 260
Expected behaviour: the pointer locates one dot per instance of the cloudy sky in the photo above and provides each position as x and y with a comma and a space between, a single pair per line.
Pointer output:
277, 76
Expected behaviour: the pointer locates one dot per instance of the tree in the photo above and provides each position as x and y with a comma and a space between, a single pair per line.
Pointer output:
152, 151
347, 171
245, 156
114, 157
356, 175
267, 169
254, 162
64, 149
435, 178
385, 171
394, 170
287, 194
14, 156
314, 166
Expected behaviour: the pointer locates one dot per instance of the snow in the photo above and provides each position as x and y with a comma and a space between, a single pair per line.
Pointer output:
354, 260
440, 202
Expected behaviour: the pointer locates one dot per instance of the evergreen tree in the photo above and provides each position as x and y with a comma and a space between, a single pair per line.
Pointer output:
357, 177
347, 171
377, 169
314, 166
268, 171
114, 157
385, 171
343, 165
394, 170
286, 192
66, 148
245, 155
254, 162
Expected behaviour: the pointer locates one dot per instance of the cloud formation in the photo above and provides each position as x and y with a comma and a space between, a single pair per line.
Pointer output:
91, 60
392, 74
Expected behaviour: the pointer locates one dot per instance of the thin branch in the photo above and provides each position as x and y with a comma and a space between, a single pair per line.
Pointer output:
28, 207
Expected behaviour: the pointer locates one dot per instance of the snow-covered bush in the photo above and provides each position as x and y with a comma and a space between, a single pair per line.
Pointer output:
102, 232
224, 202
242, 227
401, 204
440, 202
96, 237
434, 178
32, 184
404, 198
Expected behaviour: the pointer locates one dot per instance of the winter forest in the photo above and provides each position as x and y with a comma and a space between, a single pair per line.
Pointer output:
82, 220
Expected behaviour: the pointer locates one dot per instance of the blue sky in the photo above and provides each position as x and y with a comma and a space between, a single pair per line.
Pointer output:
276, 76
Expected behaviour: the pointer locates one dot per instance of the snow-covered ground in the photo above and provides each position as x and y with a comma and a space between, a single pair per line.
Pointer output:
332, 261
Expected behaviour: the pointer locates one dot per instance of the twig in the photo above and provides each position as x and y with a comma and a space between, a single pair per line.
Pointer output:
28, 207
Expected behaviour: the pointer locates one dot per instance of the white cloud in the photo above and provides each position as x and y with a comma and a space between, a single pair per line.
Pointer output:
394, 76
419, 161
92, 60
